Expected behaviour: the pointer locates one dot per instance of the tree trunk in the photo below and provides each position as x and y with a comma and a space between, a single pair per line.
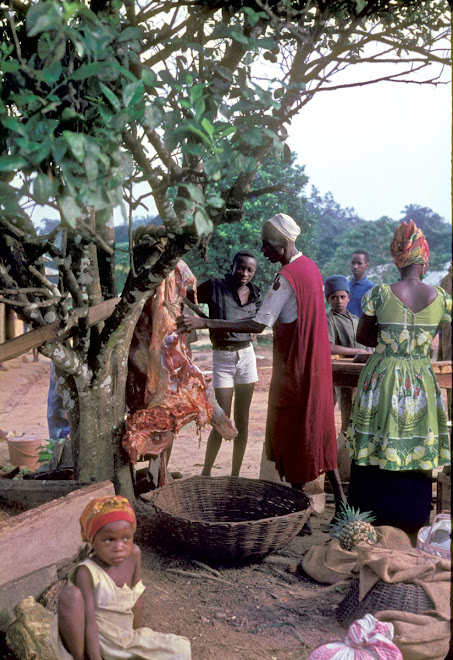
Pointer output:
96, 442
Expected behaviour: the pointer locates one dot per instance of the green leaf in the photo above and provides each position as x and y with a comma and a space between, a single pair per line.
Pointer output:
110, 96
43, 152
91, 168
88, 70
133, 93
212, 169
199, 107
215, 202
149, 78
10, 67
152, 116
229, 130
42, 188
253, 137
195, 193
51, 73
208, 127
59, 149
129, 34
196, 92
202, 222
14, 124
70, 113
193, 149
254, 16
11, 163
194, 129
70, 209
76, 143
43, 16
9, 198
360, 5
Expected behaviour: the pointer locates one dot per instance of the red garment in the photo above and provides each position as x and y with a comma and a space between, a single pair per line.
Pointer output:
300, 429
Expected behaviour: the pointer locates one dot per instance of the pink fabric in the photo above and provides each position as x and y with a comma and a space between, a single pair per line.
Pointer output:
367, 638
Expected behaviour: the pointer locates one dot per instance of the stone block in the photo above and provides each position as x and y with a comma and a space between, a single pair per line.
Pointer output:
46, 535
28, 637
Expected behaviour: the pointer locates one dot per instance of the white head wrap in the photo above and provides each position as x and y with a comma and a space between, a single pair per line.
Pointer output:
285, 225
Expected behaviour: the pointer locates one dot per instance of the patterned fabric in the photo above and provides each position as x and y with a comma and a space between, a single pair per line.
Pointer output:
409, 246
104, 510
398, 420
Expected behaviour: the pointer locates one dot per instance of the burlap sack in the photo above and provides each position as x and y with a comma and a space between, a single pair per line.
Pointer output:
330, 563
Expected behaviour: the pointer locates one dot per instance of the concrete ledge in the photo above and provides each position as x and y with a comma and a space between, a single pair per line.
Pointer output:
46, 535
12, 593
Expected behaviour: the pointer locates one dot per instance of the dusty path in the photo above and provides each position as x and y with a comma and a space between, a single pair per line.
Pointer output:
253, 612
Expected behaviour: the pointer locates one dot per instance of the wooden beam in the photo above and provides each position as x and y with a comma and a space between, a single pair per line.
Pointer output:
346, 373
35, 338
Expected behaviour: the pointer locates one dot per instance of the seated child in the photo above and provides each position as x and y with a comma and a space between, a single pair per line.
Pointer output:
99, 614
342, 327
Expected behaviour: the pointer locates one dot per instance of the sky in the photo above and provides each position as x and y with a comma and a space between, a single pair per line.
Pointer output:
379, 147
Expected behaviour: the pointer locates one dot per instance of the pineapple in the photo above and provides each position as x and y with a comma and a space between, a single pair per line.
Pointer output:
353, 528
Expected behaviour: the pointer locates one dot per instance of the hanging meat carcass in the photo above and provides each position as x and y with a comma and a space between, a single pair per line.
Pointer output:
165, 389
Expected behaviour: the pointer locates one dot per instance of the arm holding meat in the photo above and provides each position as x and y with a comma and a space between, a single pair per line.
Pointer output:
189, 323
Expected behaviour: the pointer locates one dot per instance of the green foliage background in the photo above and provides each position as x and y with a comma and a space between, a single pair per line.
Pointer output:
329, 232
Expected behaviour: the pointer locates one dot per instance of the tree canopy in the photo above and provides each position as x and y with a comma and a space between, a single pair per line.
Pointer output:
187, 97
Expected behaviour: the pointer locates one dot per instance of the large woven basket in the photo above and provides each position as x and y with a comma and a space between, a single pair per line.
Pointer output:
383, 596
230, 517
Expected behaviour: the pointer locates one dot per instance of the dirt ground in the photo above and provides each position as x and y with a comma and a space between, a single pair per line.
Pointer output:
246, 611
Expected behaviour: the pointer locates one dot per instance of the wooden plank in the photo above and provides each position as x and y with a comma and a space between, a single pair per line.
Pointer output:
24, 343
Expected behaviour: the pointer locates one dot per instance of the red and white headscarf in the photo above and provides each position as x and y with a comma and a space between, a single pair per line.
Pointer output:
409, 246
104, 510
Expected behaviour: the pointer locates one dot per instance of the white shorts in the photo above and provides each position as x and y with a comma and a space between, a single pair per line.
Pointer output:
230, 368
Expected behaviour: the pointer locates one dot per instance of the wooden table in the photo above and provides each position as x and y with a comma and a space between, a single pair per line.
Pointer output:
346, 372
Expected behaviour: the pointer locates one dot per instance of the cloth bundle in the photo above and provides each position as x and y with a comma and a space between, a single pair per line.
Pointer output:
367, 638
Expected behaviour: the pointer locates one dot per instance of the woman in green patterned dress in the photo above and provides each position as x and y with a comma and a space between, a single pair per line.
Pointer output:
398, 428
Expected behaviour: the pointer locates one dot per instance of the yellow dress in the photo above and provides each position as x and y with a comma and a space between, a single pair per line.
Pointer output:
117, 638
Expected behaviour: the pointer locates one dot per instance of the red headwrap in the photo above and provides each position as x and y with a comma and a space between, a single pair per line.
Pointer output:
409, 246
104, 510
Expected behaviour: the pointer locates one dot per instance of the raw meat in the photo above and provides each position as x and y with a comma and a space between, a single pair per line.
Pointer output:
166, 390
